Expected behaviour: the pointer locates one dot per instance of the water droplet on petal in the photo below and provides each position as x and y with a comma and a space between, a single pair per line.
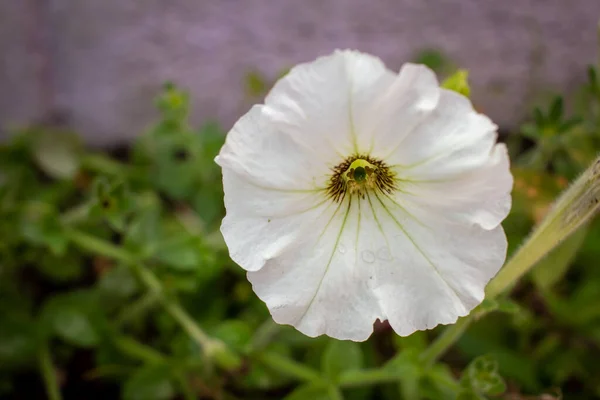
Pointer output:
384, 254
342, 249
368, 256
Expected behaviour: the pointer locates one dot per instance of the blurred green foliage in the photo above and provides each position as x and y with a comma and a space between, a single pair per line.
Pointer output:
115, 281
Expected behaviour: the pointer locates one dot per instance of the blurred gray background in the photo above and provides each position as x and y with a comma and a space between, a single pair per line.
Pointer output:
99, 63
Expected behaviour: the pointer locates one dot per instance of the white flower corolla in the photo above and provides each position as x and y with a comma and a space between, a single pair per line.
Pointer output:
355, 194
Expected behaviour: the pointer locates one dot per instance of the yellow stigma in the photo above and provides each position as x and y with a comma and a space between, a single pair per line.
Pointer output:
359, 174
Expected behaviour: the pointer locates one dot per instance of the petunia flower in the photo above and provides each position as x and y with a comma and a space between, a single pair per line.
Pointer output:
355, 194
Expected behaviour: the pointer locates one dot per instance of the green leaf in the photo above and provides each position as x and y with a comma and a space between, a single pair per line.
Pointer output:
458, 82
58, 153
180, 253
256, 84
40, 225
118, 284
235, 334
309, 391
74, 317
113, 202
556, 110
152, 382
539, 118
551, 269
341, 356
416, 341
482, 376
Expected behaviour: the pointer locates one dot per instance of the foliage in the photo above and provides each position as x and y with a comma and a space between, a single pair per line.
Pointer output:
115, 281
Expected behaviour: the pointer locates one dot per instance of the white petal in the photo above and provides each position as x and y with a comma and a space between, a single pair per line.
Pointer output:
323, 284
481, 196
450, 161
257, 148
327, 103
438, 269
375, 260
401, 106
452, 138
261, 222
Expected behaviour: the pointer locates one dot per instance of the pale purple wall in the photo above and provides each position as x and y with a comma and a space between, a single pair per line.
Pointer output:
106, 59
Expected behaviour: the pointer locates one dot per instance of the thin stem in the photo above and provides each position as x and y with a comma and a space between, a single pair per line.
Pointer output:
288, 367
139, 307
138, 350
444, 341
99, 246
263, 336
352, 379
334, 393
48, 373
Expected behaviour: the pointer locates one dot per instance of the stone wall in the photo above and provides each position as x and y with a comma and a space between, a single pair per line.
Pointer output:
101, 62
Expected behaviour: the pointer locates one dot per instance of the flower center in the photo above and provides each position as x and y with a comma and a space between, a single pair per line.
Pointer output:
358, 175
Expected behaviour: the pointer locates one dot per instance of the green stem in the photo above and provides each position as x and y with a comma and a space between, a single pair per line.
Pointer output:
352, 379
99, 246
139, 307
334, 393
445, 340
103, 164
288, 367
263, 336
138, 350
48, 373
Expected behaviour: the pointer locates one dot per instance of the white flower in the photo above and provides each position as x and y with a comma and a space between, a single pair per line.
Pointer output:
355, 194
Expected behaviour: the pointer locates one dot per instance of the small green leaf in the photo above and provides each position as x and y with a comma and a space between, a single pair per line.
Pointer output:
556, 110
180, 253
40, 225
234, 333
74, 317
118, 284
482, 377
458, 82
340, 356
256, 84
58, 153
113, 202
152, 382
539, 118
